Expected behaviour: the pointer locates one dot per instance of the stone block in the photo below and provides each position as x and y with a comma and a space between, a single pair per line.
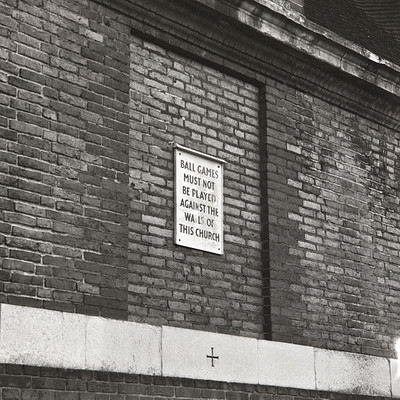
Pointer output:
122, 346
395, 377
285, 364
39, 337
352, 373
210, 356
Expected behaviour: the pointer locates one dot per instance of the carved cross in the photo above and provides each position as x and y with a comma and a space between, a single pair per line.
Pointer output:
212, 357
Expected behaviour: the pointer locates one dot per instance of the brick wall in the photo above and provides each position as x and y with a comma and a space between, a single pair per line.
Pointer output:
177, 100
31, 383
89, 114
64, 79
334, 232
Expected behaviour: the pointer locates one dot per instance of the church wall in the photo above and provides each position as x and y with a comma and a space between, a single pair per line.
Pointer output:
90, 113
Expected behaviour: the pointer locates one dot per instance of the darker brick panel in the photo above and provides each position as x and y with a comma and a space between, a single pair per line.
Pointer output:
33, 383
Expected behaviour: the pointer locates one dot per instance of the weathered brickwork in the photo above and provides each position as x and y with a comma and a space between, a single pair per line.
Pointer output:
32, 383
64, 80
89, 114
177, 100
334, 232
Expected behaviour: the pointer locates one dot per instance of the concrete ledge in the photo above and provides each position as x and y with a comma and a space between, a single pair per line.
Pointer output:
205, 355
33, 336
37, 337
352, 373
41, 337
123, 346
285, 364
395, 377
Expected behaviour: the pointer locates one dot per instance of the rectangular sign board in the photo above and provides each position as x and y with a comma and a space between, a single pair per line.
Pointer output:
198, 200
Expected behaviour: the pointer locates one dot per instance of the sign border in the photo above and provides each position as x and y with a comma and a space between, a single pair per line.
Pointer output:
199, 153
178, 147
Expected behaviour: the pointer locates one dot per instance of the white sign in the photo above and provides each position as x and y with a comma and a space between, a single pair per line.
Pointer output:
198, 200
